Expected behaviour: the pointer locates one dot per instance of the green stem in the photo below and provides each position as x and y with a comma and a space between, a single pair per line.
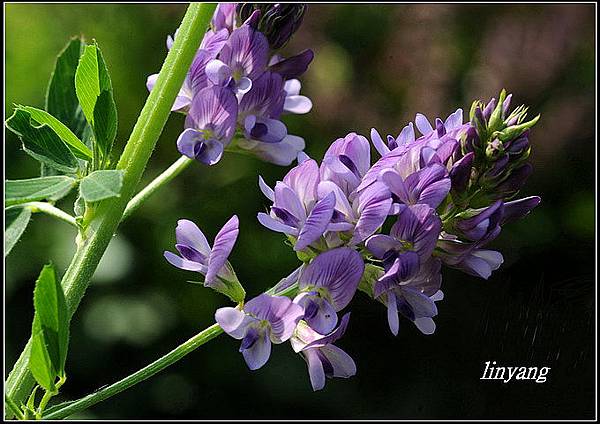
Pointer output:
51, 210
67, 408
168, 174
62, 411
14, 408
135, 156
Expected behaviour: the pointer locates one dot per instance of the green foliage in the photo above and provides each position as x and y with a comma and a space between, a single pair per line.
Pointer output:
50, 330
42, 142
16, 220
61, 99
100, 185
76, 146
94, 91
52, 188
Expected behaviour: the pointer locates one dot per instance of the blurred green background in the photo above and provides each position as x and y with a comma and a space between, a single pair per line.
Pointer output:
375, 66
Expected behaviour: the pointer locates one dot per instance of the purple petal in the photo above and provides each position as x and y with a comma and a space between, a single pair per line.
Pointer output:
282, 314
377, 141
318, 313
222, 247
404, 267
233, 321
395, 183
187, 141
218, 72
373, 206
246, 51
517, 209
266, 97
316, 372
423, 124
481, 263
259, 352
209, 152
380, 244
213, 41
224, 16
461, 172
339, 270
185, 264
435, 193
333, 336
343, 365
188, 233
294, 66
214, 109
421, 305
454, 120
392, 313
425, 325
266, 190
275, 225
297, 104
407, 135
287, 199
283, 153
265, 129
316, 223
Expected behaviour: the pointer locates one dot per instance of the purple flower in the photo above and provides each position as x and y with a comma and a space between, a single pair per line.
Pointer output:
197, 255
415, 298
245, 56
411, 241
296, 210
224, 17
282, 153
261, 107
265, 319
322, 357
327, 286
479, 224
429, 185
346, 161
210, 125
470, 258
406, 136
360, 217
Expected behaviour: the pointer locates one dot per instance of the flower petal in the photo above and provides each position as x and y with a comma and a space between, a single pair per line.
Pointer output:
258, 354
339, 271
316, 223
274, 225
343, 365
316, 372
224, 241
233, 321
181, 263
188, 233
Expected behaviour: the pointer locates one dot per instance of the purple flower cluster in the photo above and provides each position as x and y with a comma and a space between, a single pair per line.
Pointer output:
435, 197
237, 88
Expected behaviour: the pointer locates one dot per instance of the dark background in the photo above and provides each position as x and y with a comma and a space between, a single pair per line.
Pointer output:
375, 66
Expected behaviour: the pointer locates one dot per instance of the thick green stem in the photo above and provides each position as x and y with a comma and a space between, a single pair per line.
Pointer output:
51, 210
135, 156
166, 176
62, 411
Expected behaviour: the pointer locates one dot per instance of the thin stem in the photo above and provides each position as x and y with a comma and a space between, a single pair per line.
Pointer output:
62, 411
133, 161
167, 175
51, 210
14, 408
65, 409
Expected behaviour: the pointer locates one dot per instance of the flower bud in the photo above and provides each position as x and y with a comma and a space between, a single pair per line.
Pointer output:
278, 22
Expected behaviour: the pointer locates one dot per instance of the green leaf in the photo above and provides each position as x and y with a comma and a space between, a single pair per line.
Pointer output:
105, 123
61, 99
16, 220
29, 190
41, 142
101, 185
87, 82
50, 330
91, 78
75, 144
